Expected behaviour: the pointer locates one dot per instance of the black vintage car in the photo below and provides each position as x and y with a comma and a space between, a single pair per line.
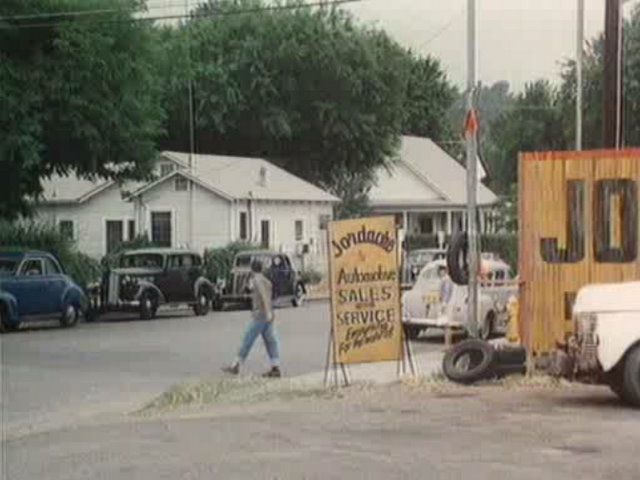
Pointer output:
277, 267
148, 278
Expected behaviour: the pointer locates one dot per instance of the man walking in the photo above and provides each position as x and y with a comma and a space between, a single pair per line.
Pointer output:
262, 324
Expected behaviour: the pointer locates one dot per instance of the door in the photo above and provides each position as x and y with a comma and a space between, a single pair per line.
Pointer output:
176, 283
114, 234
54, 284
29, 288
288, 277
161, 228
265, 233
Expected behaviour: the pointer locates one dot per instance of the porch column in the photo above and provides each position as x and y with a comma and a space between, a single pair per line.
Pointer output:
449, 225
405, 221
483, 214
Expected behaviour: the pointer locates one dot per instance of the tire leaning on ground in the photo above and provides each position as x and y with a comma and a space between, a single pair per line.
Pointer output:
148, 305
203, 304
469, 361
457, 260
69, 316
630, 391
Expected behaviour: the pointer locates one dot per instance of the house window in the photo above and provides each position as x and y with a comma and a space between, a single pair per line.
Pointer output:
299, 227
66, 229
426, 224
115, 234
166, 169
265, 233
182, 184
243, 226
324, 221
161, 228
132, 229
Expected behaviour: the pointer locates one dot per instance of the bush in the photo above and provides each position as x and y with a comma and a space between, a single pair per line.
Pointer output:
32, 235
219, 261
311, 277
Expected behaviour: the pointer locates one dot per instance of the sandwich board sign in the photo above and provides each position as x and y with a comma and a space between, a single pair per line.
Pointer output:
365, 290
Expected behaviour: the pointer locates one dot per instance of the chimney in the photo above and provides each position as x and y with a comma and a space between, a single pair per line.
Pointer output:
264, 177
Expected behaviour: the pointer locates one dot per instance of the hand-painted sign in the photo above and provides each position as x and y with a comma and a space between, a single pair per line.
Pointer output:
578, 225
365, 290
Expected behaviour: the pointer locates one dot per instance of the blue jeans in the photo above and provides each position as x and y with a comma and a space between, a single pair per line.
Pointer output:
269, 335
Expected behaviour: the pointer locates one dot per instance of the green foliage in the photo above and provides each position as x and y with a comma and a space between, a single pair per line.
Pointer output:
78, 95
311, 277
30, 235
219, 261
310, 89
141, 241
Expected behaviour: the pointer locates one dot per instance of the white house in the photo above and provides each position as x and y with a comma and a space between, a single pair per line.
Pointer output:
219, 200
425, 189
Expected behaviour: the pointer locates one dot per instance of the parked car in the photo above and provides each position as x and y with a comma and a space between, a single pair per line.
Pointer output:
422, 309
604, 347
34, 286
277, 267
417, 259
146, 279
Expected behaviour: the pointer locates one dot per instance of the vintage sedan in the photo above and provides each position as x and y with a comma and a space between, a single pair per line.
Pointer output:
277, 267
422, 307
34, 286
147, 279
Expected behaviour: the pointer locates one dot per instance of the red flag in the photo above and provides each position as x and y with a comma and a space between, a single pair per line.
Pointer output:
470, 123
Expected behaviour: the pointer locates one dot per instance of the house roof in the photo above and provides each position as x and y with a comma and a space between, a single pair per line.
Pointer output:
240, 178
424, 175
184, 173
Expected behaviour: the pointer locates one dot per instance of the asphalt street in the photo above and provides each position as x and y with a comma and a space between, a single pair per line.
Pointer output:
52, 377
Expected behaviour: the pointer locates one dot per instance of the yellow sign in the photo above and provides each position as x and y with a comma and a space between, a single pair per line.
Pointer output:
365, 290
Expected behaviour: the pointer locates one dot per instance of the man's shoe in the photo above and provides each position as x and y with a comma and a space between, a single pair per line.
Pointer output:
232, 369
273, 373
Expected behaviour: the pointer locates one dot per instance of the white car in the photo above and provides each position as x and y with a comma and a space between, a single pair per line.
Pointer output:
605, 344
422, 308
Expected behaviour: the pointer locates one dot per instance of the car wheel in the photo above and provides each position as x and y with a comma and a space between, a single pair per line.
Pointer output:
217, 304
203, 304
630, 391
298, 298
486, 332
148, 306
69, 316
469, 361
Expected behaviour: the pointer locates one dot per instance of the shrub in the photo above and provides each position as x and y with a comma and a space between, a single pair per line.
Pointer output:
219, 261
43, 236
311, 276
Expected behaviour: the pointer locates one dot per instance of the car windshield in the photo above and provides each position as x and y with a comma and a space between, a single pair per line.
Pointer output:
8, 266
243, 261
142, 260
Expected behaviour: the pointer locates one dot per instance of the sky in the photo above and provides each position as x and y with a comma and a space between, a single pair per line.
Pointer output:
518, 40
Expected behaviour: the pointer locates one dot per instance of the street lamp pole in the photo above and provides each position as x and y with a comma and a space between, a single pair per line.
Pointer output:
472, 160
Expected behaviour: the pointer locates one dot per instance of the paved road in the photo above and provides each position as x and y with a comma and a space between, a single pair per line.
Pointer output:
53, 377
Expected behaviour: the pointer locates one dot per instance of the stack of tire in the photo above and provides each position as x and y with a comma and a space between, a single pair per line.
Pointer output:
474, 360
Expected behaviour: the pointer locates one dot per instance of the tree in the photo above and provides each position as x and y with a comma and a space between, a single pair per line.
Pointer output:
533, 122
80, 95
306, 88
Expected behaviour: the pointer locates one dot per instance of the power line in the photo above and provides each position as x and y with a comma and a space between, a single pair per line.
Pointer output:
443, 29
211, 13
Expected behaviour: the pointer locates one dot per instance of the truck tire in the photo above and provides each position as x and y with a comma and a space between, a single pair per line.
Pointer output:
630, 391
457, 260
203, 303
469, 361
299, 294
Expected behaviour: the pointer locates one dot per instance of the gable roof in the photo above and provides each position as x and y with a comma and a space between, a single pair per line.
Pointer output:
425, 175
239, 178
183, 173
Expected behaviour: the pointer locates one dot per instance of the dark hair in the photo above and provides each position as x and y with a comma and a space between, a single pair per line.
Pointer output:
256, 266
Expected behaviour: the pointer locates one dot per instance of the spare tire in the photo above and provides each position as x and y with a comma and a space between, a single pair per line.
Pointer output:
469, 361
457, 259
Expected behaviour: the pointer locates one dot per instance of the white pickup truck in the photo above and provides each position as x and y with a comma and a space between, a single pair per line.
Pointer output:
605, 344
422, 309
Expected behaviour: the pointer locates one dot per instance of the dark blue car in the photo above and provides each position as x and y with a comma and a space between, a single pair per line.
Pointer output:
34, 286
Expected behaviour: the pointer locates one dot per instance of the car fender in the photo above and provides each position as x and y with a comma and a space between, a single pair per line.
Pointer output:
617, 333
74, 295
145, 286
11, 304
203, 283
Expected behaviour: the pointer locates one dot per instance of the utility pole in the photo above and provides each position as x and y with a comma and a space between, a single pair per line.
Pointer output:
192, 186
579, 53
612, 92
472, 159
